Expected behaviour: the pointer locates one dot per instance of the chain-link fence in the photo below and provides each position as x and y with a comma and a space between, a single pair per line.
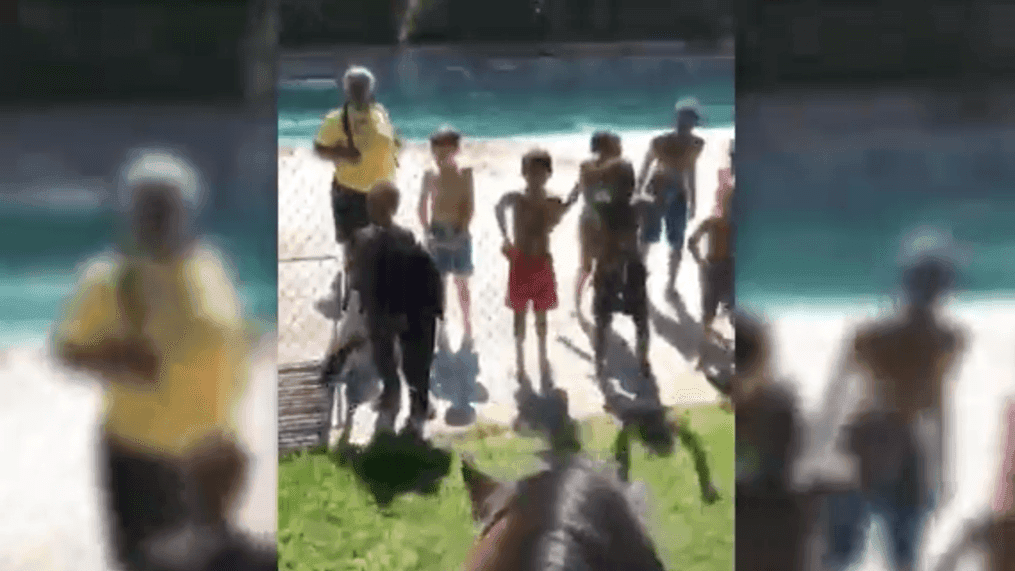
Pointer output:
310, 259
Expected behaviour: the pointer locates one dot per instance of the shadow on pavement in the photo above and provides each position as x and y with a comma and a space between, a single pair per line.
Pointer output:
453, 378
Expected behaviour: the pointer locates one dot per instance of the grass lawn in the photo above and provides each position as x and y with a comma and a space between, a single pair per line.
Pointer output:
327, 520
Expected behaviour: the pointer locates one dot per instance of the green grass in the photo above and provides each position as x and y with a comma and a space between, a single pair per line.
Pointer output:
328, 521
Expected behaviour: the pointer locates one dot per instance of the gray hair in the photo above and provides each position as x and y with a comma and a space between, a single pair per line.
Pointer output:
163, 167
358, 73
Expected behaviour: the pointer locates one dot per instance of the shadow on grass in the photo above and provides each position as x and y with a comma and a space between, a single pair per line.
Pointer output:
392, 465
546, 414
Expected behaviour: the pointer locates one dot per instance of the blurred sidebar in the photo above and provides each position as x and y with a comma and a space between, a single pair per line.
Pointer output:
137, 286
874, 275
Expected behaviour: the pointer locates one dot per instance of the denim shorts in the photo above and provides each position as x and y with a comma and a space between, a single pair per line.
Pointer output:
451, 250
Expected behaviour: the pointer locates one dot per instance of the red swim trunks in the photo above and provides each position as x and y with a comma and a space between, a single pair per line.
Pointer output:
531, 278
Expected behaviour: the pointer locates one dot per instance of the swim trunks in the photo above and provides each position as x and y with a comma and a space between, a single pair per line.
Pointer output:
531, 278
674, 212
718, 285
451, 249
621, 290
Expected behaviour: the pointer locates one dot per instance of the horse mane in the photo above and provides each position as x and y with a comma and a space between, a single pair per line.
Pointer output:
591, 522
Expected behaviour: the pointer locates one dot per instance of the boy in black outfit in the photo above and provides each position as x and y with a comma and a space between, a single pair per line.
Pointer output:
402, 297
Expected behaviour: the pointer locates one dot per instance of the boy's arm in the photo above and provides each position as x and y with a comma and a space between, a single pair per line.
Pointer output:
579, 185
506, 201
692, 191
425, 195
555, 209
470, 198
646, 165
694, 241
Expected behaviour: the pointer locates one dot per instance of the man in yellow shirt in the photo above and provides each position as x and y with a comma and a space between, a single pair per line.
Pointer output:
159, 324
360, 140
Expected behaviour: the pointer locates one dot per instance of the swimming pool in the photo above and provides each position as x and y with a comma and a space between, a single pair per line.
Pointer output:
38, 275
505, 97
823, 220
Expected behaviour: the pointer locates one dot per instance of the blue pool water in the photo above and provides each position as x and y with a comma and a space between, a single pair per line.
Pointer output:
492, 114
826, 227
39, 266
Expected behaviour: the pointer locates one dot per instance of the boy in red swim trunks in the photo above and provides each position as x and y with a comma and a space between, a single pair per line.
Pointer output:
531, 276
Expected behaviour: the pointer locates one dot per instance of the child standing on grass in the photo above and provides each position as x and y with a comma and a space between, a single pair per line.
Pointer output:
531, 276
446, 206
402, 299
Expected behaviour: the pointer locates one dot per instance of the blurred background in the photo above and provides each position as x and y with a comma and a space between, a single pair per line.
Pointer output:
858, 122
323, 22
80, 85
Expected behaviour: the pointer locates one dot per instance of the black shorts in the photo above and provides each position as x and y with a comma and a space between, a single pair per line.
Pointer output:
620, 290
145, 497
718, 286
349, 208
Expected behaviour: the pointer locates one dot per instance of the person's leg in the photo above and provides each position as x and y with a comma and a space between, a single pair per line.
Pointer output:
338, 212
417, 356
520, 341
465, 301
676, 225
145, 497
709, 299
384, 360
544, 360
586, 254
603, 317
463, 270
651, 227
847, 516
636, 305
584, 272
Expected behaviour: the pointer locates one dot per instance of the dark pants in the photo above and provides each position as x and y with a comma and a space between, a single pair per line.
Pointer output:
145, 497
771, 529
349, 208
417, 345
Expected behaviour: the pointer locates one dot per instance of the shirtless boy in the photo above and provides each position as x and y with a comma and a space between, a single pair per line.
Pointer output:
716, 267
531, 276
446, 206
726, 185
672, 184
904, 363
606, 147
620, 274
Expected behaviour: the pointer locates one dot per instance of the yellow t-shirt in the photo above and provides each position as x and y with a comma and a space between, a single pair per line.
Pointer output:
373, 135
193, 317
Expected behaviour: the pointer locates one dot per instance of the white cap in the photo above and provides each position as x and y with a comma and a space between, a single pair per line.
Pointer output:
160, 166
930, 260
358, 72
927, 242
690, 104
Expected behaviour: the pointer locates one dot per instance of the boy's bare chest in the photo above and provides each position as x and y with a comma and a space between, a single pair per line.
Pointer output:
678, 153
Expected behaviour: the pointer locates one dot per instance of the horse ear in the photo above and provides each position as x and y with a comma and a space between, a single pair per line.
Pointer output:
481, 486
